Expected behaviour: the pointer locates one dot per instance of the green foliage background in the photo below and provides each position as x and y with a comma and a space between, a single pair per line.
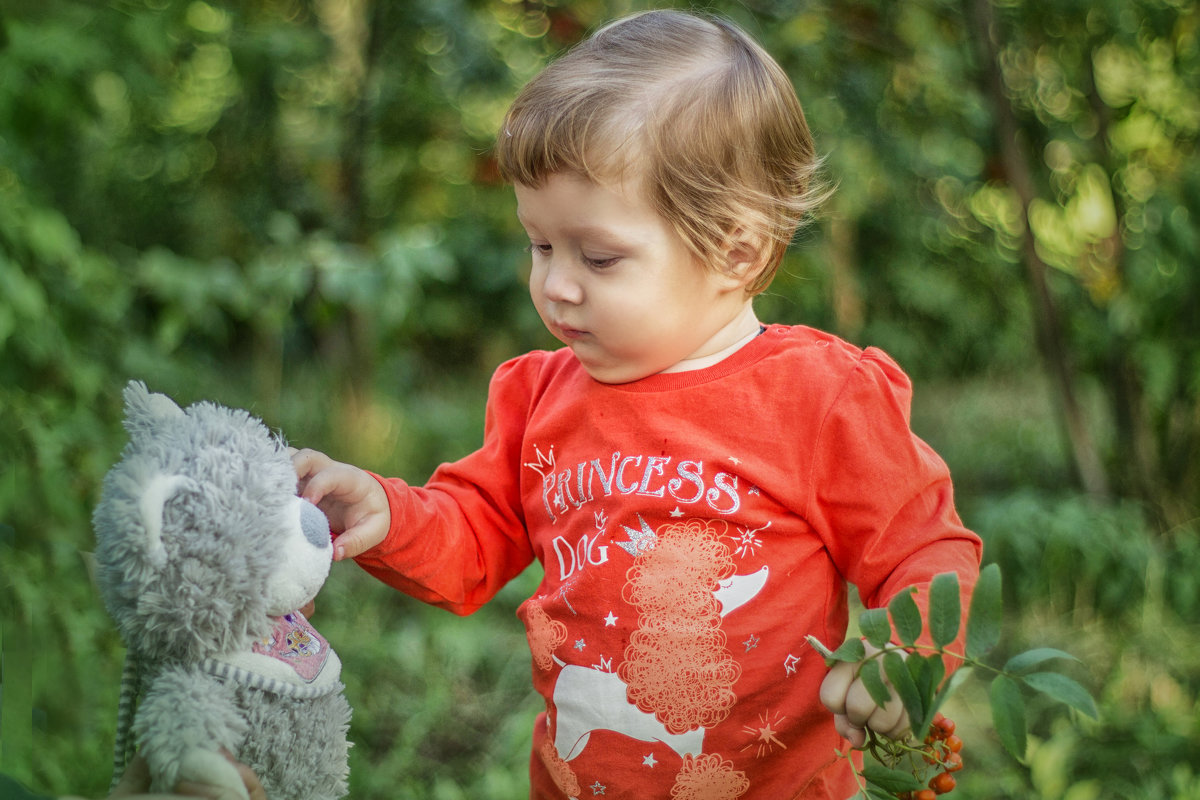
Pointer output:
288, 206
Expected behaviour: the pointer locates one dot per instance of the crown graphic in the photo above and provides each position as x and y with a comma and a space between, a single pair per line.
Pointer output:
544, 463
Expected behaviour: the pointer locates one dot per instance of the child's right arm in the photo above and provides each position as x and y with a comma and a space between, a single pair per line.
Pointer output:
459, 538
351, 498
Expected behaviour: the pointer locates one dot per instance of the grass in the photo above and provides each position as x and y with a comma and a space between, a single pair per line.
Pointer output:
443, 705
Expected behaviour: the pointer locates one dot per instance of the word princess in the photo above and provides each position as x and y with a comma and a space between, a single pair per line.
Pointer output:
646, 476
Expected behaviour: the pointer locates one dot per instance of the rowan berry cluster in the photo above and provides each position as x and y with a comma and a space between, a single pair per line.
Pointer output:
943, 751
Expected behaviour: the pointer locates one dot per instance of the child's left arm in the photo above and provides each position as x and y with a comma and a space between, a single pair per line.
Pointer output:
884, 500
843, 692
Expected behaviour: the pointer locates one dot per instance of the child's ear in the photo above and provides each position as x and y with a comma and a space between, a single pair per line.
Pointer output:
744, 257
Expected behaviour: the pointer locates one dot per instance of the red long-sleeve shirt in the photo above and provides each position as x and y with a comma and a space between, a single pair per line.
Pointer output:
693, 527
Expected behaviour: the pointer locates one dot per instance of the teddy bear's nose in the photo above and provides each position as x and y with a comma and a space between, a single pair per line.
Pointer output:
314, 524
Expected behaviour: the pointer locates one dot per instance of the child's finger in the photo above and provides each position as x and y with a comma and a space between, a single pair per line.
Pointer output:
315, 488
329, 480
307, 462
835, 685
889, 720
859, 704
351, 543
852, 733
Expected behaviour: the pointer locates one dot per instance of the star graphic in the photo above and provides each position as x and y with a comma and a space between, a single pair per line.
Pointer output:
676, 513
789, 664
748, 541
611, 620
597, 788
649, 761
639, 541
579, 645
764, 734
751, 643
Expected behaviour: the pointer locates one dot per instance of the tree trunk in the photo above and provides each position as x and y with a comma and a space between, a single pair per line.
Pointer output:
358, 30
1145, 475
846, 295
1017, 170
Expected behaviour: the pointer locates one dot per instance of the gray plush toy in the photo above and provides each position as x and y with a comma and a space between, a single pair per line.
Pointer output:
204, 557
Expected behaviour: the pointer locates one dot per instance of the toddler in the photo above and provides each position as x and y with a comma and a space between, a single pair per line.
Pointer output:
698, 487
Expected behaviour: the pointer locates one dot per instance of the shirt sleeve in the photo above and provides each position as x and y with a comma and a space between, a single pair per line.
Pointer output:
881, 498
455, 541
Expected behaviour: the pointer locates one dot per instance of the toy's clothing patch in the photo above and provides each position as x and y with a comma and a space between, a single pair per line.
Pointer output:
297, 644
293, 660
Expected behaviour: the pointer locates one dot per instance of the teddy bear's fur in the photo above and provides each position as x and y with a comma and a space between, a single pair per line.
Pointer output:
204, 554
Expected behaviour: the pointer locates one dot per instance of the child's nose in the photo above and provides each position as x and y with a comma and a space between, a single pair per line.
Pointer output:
560, 286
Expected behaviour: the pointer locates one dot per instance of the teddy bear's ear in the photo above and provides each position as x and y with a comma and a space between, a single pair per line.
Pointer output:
143, 408
155, 495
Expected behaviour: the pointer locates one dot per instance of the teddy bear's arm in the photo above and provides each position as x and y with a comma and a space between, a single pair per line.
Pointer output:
185, 720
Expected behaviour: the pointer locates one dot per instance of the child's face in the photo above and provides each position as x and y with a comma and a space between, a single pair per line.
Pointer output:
613, 281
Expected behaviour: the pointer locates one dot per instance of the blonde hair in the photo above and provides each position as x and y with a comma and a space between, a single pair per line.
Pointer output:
697, 108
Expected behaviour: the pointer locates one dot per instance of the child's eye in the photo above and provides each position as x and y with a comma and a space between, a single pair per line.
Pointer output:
538, 249
601, 263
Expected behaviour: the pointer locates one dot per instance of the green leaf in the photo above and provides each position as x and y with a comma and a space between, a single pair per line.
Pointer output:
945, 608
906, 617
957, 679
851, 650
1063, 689
871, 676
873, 792
987, 607
1026, 661
873, 624
937, 669
1008, 715
890, 780
902, 682
927, 673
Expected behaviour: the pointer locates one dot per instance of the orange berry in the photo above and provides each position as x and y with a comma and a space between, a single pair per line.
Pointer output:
945, 726
925, 794
953, 763
942, 783
954, 744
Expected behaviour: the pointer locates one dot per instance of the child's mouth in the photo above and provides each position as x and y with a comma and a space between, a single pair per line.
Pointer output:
571, 333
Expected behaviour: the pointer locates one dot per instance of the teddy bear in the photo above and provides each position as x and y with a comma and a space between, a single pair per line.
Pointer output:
205, 556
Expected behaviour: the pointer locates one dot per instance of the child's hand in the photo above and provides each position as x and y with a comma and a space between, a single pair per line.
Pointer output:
353, 501
843, 693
